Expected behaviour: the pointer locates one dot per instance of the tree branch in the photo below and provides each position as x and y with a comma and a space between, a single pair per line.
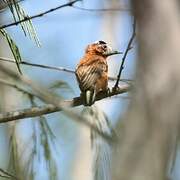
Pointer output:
102, 9
49, 108
46, 96
39, 14
125, 54
9, 60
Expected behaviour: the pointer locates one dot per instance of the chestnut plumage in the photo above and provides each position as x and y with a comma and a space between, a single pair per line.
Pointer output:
92, 71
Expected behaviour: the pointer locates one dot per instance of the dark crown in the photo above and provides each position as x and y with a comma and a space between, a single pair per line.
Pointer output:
101, 42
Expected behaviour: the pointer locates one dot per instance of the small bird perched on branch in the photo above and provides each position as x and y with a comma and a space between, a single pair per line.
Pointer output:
92, 71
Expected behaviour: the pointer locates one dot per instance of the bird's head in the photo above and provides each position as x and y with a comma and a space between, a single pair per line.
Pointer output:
101, 48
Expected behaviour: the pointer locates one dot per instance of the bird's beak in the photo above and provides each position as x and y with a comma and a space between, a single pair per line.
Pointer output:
111, 52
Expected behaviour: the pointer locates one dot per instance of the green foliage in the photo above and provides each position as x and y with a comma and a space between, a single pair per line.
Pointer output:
27, 27
47, 139
14, 49
13, 165
18, 15
44, 140
41, 146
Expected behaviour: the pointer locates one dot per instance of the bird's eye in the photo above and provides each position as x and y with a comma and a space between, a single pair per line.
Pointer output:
104, 46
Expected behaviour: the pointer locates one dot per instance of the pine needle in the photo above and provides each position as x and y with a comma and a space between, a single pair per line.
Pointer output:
14, 49
19, 14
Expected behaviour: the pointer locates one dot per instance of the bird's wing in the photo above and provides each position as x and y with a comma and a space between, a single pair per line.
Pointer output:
87, 74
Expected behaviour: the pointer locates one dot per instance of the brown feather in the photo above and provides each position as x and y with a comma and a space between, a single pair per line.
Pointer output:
92, 72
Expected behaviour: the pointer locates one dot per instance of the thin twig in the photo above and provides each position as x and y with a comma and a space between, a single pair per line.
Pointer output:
57, 68
39, 14
102, 9
125, 54
9, 60
37, 65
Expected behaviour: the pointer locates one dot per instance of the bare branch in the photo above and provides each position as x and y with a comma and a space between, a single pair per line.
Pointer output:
125, 54
4, 59
102, 9
49, 108
39, 14
49, 98
37, 65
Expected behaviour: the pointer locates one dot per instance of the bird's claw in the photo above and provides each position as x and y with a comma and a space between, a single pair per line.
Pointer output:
108, 91
115, 88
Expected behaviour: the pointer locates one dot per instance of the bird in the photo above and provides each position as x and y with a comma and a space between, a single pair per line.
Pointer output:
92, 71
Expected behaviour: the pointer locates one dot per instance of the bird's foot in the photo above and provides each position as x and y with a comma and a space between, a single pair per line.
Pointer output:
108, 91
115, 88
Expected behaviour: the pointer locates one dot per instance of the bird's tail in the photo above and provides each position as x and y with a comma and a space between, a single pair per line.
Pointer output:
101, 150
90, 96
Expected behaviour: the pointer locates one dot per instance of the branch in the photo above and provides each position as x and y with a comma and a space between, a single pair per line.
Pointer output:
37, 65
51, 67
102, 9
30, 94
39, 15
49, 108
49, 98
125, 54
